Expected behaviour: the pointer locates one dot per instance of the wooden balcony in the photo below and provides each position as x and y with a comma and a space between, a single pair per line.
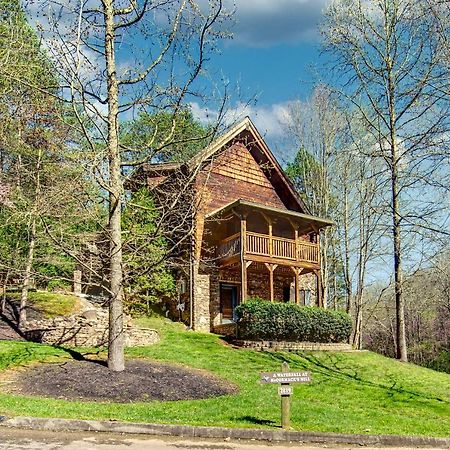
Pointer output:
262, 247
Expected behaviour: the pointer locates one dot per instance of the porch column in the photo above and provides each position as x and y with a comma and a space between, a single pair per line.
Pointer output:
271, 268
270, 225
297, 249
270, 239
243, 260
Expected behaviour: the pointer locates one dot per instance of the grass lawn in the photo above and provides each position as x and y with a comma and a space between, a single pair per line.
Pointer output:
350, 392
50, 304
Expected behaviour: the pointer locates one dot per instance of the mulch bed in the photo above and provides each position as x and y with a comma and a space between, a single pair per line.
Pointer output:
140, 381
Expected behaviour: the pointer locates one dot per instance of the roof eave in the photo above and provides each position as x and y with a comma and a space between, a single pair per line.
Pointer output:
323, 223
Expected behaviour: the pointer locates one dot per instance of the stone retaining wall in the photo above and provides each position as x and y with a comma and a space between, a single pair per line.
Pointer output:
225, 329
294, 346
87, 329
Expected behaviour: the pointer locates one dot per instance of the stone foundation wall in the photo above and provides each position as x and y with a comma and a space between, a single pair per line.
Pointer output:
294, 346
201, 306
207, 290
259, 284
309, 281
88, 329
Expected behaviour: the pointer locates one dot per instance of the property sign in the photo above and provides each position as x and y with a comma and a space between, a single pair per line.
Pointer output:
285, 391
285, 377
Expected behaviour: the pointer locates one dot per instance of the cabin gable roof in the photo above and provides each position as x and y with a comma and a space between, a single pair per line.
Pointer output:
244, 135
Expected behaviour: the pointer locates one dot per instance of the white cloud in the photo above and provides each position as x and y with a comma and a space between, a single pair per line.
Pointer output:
268, 119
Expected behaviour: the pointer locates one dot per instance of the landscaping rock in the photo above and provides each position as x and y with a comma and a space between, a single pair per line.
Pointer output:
88, 328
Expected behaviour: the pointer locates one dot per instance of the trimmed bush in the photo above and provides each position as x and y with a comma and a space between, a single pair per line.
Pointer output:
263, 320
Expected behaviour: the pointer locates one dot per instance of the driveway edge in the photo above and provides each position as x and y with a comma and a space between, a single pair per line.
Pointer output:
222, 433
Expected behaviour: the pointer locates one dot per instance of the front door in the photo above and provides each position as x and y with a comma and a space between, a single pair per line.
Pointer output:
228, 300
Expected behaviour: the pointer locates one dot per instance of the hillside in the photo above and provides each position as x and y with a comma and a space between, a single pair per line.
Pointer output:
358, 392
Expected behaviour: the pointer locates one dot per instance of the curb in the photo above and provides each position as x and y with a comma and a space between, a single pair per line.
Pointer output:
222, 433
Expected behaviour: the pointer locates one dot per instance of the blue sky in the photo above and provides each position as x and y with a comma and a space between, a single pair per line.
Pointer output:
272, 59
274, 56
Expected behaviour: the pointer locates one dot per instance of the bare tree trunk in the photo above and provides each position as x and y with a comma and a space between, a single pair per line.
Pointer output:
347, 274
5, 284
27, 276
358, 320
29, 266
402, 353
8, 275
116, 359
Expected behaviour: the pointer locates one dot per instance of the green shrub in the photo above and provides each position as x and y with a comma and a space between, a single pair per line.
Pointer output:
290, 322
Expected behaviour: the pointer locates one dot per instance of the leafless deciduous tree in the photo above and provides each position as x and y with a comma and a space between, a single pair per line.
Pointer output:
338, 181
390, 65
116, 58
316, 127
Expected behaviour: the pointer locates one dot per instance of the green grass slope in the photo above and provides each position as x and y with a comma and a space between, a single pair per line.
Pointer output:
350, 392
44, 304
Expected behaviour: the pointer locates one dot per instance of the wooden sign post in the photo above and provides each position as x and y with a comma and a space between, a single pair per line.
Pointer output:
284, 378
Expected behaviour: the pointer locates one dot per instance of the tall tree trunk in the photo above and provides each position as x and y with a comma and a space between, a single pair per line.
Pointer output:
29, 265
347, 274
401, 349
27, 276
402, 353
116, 359
358, 320
8, 275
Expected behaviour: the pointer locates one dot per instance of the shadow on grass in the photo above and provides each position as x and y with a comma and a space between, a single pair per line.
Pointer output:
79, 356
333, 368
255, 420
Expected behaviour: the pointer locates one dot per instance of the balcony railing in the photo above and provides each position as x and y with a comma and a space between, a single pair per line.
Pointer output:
271, 247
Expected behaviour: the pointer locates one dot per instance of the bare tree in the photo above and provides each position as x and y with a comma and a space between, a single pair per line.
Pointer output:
390, 66
338, 181
316, 127
116, 58
355, 181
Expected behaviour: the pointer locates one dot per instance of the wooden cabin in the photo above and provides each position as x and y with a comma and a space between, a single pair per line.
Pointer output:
252, 235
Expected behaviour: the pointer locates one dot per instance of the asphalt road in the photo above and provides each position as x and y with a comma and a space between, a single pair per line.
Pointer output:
17, 439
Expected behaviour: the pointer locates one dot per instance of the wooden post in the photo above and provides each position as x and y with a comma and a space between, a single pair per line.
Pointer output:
296, 245
271, 284
269, 223
243, 261
270, 239
271, 268
285, 402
